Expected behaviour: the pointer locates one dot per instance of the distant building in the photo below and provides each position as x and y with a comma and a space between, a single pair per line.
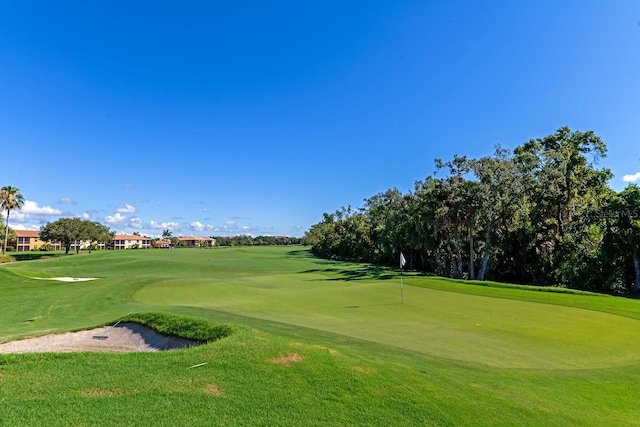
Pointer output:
162, 243
131, 241
29, 240
84, 244
197, 241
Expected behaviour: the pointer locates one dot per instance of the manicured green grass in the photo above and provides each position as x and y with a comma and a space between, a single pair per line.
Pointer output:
315, 343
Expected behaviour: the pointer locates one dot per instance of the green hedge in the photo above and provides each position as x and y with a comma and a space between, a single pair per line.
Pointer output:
181, 327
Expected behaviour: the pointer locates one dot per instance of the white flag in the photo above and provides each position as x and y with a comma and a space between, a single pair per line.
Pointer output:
402, 260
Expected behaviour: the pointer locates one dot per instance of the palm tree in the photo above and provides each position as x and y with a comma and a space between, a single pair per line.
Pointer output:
10, 198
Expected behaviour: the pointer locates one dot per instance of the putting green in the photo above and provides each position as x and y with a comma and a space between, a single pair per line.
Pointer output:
476, 329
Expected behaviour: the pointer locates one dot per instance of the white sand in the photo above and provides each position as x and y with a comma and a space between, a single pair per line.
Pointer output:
124, 337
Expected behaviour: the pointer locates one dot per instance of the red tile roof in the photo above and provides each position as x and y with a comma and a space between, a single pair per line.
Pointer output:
27, 233
129, 237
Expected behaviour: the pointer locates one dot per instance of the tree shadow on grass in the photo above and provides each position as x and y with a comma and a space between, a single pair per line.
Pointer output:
306, 253
365, 272
30, 256
300, 253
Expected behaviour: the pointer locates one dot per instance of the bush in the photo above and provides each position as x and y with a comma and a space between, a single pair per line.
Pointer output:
181, 327
6, 258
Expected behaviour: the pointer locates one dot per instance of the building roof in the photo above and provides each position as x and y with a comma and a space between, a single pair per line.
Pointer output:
129, 237
27, 233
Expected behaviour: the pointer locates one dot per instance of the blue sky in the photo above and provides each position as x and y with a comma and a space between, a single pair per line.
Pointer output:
224, 118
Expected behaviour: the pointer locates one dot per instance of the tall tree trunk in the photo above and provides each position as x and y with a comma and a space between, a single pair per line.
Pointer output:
6, 234
457, 260
636, 267
439, 262
448, 269
67, 247
485, 257
472, 272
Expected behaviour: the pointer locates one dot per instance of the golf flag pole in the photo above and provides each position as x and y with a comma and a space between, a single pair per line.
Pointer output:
402, 263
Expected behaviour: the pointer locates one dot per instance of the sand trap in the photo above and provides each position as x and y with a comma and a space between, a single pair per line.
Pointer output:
67, 279
124, 337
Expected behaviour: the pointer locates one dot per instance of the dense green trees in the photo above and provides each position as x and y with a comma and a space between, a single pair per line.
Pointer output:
543, 214
75, 231
255, 241
10, 198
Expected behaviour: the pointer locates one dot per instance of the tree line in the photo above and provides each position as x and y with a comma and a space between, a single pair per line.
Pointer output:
256, 241
541, 214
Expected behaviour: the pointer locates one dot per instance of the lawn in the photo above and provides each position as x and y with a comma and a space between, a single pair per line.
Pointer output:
316, 343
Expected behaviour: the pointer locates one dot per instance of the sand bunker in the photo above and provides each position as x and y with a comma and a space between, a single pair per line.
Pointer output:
68, 279
121, 338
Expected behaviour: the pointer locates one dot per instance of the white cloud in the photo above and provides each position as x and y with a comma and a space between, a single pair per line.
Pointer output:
84, 215
163, 225
198, 226
31, 214
127, 209
631, 178
135, 222
31, 208
66, 201
118, 218
24, 227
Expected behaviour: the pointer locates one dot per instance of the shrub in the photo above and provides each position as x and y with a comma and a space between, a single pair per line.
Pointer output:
181, 327
6, 258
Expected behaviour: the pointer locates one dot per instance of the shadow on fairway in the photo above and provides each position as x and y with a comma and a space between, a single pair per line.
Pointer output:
29, 256
366, 272
300, 253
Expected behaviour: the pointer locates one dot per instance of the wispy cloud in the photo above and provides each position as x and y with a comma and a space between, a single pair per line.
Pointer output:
163, 225
631, 178
136, 222
127, 209
66, 201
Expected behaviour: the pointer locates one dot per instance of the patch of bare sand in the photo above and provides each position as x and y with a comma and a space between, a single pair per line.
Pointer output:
291, 358
365, 369
121, 338
213, 389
